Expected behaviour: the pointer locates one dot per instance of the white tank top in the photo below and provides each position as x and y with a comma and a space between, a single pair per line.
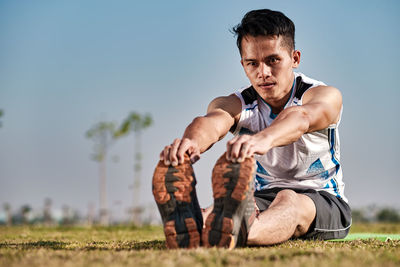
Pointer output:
312, 162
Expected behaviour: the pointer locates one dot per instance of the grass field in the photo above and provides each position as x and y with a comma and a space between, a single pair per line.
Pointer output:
129, 246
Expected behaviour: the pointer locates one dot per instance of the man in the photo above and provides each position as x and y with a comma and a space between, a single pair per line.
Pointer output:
286, 148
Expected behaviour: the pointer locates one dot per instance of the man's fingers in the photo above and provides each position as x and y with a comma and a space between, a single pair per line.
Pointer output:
174, 149
243, 152
246, 151
194, 154
194, 158
229, 145
183, 148
251, 151
191, 148
174, 154
240, 148
166, 155
235, 151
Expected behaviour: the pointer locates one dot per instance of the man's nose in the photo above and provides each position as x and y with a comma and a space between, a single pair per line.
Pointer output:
264, 70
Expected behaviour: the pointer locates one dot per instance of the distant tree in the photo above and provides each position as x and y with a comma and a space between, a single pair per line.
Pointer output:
76, 217
66, 215
47, 216
25, 210
7, 209
388, 215
102, 134
1, 115
358, 215
135, 123
90, 214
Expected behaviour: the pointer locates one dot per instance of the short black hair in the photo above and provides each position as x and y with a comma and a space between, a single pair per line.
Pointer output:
265, 22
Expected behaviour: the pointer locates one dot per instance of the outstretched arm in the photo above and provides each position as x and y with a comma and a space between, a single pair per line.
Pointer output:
204, 131
321, 107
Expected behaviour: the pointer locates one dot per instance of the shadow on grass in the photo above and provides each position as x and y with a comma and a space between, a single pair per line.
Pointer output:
102, 245
35, 245
145, 245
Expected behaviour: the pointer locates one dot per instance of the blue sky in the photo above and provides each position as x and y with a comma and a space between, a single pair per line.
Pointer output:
65, 65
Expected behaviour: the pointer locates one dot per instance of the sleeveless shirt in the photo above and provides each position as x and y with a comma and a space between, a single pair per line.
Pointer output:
312, 162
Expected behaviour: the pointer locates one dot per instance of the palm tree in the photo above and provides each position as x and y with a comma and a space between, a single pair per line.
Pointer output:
102, 134
136, 123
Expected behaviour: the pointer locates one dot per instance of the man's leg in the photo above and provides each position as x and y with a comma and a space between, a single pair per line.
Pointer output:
205, 212
289, 215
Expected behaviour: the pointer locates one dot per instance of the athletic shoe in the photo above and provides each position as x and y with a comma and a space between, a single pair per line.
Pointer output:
175, 194
234, 206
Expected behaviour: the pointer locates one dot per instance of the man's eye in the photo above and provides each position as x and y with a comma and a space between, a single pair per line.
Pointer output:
252, 64
273, 60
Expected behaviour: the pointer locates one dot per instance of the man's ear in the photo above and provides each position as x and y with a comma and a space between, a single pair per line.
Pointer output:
241, 62
296, 58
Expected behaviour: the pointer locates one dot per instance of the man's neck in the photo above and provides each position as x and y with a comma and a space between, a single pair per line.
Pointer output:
278, 105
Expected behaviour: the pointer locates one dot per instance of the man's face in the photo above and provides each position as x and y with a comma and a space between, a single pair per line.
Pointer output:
268, 64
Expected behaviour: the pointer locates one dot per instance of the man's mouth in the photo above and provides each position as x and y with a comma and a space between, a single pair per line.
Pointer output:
266, 85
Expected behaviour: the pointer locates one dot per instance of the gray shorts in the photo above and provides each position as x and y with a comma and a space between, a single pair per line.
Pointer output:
333, 214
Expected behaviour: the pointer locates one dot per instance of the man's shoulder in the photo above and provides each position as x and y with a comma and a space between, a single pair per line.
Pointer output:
247, 94
307, 79
230, 104
303, 83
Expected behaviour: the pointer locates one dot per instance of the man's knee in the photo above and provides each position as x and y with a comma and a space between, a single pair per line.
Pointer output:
302, 208
286, 196
294, 199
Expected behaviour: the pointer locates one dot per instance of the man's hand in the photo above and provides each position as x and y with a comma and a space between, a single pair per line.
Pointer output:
174, 154
244, 146
204, 131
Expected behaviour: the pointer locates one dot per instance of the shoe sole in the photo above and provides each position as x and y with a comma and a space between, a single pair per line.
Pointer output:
175, 195
232, 190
